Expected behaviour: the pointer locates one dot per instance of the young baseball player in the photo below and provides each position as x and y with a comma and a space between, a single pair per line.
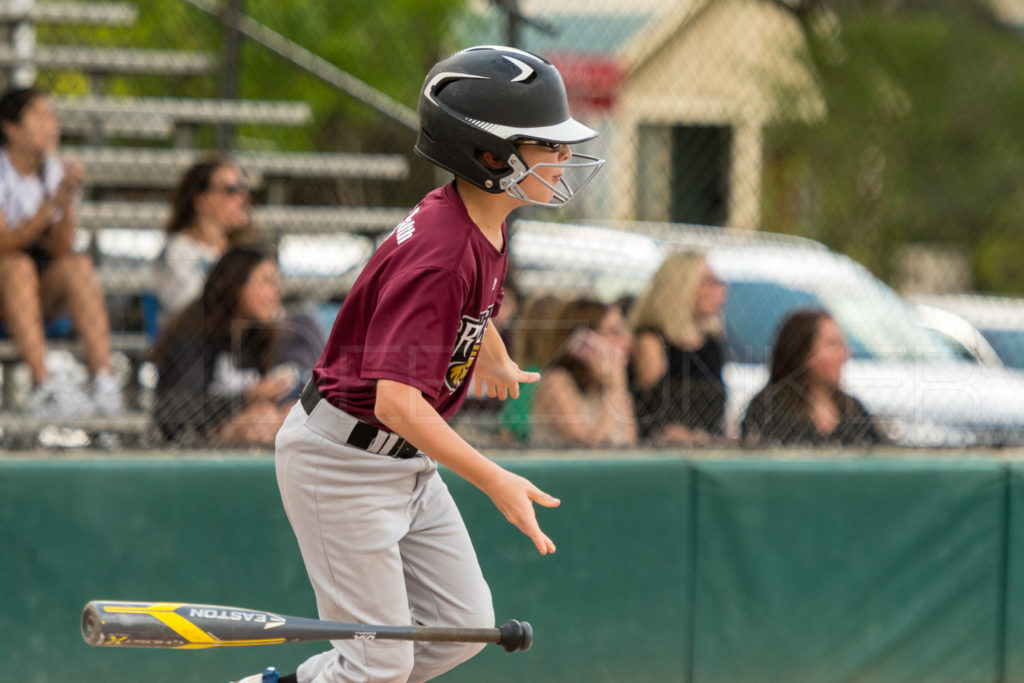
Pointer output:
381, 537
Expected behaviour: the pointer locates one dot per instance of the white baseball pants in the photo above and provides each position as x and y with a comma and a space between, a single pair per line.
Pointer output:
383, 543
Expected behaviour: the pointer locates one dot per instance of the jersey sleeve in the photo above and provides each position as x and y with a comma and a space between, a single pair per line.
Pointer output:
413, 330
6, 197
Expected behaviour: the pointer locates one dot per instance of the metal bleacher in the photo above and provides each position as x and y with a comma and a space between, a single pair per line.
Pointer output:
270, 220
99, 13
134, 149
117, 60
160, 167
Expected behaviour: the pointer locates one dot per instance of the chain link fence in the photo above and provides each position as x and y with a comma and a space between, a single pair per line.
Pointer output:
853, 163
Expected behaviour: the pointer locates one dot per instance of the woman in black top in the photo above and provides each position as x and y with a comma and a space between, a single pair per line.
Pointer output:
802, 404
676, 367
220, 377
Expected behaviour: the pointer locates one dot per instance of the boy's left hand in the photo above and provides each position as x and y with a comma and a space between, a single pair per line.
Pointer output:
500, 379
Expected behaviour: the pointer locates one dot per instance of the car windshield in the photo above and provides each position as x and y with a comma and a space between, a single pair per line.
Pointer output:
877, 323
1009, 344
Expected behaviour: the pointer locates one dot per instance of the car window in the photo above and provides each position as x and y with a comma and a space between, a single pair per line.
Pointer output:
754, 311
879, 325
876, 322
1009, 344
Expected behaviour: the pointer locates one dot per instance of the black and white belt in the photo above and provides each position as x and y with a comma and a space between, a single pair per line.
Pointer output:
360, 434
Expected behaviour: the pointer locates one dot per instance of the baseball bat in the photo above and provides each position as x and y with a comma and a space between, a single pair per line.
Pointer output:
185, 626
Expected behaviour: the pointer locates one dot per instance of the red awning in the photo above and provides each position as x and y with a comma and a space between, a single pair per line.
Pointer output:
592, 81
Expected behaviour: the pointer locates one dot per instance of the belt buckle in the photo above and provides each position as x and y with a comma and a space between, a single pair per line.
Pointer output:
362, 436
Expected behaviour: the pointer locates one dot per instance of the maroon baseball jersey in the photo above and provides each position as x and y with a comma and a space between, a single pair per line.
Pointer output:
417, 312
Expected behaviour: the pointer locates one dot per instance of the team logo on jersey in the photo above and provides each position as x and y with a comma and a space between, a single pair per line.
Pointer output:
467, 347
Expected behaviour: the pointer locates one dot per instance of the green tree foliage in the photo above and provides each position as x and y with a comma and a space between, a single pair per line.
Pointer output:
389, 45
921, 143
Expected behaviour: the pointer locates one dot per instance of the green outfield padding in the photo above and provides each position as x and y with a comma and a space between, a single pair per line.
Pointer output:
612, 603
668, 569
1013, 643
609, 605
867, 570
174, 530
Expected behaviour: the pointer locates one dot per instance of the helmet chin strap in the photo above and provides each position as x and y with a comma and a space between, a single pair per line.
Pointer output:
563, 192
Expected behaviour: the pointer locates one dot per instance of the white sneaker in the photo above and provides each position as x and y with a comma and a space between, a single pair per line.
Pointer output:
107, 395
59, 397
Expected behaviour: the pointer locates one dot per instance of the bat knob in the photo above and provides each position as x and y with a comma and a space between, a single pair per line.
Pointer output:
92, 631
516, 635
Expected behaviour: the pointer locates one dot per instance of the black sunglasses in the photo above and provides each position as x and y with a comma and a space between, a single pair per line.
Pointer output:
553, 146
231, 190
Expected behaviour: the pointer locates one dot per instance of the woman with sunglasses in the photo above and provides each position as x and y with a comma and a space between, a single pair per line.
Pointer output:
209, 214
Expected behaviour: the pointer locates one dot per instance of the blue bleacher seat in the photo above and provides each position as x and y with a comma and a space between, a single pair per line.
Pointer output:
150, 314
60, 327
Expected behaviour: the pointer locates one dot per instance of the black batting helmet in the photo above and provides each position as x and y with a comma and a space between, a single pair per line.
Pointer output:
485, 99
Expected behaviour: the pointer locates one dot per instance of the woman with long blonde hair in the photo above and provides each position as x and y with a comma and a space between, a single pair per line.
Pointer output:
676, 368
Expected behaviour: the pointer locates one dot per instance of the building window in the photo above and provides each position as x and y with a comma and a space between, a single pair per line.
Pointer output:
700, 174
683, 174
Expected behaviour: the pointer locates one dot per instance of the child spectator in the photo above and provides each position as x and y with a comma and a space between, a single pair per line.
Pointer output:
220, 377
40, 274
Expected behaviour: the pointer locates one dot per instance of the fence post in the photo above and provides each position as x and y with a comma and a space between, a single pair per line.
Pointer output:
230, 65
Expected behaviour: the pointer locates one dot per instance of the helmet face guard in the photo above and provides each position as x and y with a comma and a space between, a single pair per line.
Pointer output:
563, 190
487, 99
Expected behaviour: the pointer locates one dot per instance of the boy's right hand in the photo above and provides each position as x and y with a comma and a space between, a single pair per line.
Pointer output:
514, 496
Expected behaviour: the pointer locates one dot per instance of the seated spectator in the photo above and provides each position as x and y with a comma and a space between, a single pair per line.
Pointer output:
676, 365
209, 213
802, 404
583, 398
536, 333
41, 276
220, 376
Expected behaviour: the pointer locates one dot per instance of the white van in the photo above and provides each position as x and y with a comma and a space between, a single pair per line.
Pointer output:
921, 390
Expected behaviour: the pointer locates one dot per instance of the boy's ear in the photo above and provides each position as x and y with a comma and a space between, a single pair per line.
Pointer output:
492, 161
